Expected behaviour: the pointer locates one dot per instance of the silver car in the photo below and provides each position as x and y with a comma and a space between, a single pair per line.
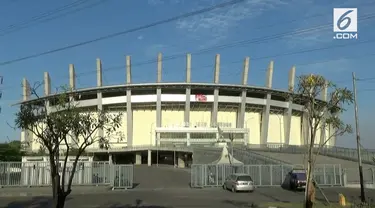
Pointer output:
239, 182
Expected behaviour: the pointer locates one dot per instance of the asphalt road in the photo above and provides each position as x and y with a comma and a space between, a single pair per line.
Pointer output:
177, 198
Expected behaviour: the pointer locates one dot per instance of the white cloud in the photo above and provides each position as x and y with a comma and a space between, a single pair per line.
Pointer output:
332, 70
215, 25
140, 37
319, 15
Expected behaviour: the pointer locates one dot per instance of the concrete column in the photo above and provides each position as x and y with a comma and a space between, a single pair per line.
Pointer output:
187, 139
110, 159
149, 157
180, 160
323, 127
128, 70
47, 84
188, 90
305, 129
158, 93
138, 158
215, 105
267, 107
26, 93
241, 114
269, 75
99, 83
26, 90
47, 89
289, 111
129, 110
72, 77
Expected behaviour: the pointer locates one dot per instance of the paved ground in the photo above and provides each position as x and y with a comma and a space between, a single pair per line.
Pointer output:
160, 177
175, 197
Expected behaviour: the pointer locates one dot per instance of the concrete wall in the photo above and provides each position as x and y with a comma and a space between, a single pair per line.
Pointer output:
295, 131
200, 116
252, 122
143, 122
227, 117
276, 129
118, 138
172, 117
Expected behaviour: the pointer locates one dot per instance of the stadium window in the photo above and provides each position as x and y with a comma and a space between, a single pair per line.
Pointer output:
278, 98
202, 135
200, 124
137, 91
202, 91
224, 124
256, 94
114, 94
224, 92
87, 96
173, 91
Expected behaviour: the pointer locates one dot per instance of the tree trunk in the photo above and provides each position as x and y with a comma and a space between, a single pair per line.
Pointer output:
61, 200
56, 191
310, 189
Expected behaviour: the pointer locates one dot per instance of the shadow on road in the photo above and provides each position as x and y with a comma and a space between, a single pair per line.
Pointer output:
240, 203
138, 204
35, 202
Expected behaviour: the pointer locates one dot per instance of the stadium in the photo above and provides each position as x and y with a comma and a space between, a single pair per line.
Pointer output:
163, 122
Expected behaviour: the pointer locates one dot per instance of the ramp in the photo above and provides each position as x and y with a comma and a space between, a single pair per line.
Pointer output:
153, 177
206, 155
300, 158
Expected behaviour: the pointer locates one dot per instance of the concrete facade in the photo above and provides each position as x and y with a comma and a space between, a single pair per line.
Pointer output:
164, 121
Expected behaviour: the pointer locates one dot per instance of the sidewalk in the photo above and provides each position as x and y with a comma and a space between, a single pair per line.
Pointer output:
47, 191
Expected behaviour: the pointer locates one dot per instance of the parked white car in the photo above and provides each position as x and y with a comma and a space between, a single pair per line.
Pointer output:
239, 182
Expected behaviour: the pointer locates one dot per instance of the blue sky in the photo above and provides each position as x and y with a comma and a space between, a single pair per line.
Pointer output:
246, 21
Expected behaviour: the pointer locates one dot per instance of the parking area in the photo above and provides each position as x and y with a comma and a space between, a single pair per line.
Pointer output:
178, 197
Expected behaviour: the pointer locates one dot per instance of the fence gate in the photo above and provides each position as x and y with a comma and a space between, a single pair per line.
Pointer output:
197, 176
122, 176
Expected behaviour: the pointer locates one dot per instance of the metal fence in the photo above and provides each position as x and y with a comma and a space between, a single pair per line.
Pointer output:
29, 174
352, 176
263, 175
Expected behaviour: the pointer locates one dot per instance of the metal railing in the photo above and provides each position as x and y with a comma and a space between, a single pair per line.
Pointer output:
332, 151
352, 176
27, 174
263, 175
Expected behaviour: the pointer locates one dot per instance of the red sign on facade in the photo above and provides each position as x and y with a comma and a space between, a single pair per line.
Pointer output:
200, 98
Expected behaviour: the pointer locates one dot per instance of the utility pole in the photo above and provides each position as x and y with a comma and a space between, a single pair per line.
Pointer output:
358, 138
1, 92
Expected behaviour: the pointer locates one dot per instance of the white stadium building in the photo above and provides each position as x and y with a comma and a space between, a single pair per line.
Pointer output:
175, 117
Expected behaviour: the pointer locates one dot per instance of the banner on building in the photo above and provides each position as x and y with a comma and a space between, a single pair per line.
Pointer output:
201, 98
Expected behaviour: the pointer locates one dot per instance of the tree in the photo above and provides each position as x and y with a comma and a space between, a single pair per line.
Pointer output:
320, 115
59, 122
11, 151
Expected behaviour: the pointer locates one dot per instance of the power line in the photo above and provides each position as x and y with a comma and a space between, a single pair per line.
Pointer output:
42, 15
174, 19
48, 16
299, 19
201, 11
243, 43
366, 79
